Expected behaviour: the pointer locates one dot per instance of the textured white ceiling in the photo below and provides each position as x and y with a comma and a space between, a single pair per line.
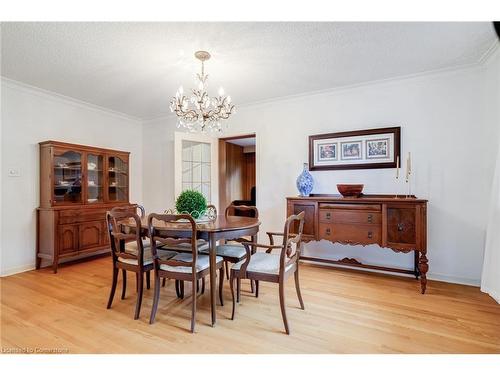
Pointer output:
135, 68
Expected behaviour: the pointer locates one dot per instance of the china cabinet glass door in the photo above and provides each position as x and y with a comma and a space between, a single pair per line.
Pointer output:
67, 177
95, 180
117, 179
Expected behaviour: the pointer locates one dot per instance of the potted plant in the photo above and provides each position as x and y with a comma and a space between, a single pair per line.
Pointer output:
191, 202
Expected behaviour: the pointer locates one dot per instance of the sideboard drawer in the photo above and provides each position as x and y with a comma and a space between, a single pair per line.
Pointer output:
350, 217
355, 217
350, 206
355, 234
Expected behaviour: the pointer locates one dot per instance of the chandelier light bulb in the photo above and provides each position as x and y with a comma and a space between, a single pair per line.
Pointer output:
221, 91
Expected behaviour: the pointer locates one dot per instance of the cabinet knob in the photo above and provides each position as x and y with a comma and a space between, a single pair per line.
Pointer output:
400, 227
328, 215
370, 234
327, 231
370, 218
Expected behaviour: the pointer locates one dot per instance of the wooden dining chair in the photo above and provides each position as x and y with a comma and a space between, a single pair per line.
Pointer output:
131, 246
234, 251
186, 248
189, 267
136, 258
275, 268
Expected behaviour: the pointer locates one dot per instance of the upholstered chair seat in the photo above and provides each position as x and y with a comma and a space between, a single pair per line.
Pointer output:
263, 263
148, 257
228, 250
131, 247
186, 247
202, 263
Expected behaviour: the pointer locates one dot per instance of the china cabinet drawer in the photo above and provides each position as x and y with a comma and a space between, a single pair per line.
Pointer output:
362, 234
350, 217
81, 216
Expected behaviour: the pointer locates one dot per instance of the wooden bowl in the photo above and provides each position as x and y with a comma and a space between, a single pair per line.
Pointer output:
350, 190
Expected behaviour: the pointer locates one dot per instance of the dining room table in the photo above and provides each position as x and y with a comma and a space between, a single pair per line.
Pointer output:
220, 228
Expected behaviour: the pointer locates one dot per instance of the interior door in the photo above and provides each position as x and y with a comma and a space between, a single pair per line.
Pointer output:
196, 165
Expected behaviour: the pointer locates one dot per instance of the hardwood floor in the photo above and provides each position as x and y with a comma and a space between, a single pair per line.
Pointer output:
346, 312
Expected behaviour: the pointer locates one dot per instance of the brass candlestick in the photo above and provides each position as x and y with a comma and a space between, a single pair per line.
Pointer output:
397, 175
408, 174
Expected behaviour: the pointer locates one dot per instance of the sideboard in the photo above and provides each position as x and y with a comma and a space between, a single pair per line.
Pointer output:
398, 223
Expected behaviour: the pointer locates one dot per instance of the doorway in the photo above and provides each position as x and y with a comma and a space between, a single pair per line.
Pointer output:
237, 171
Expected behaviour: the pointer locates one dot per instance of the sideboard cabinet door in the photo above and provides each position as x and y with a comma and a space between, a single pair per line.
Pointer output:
310, 210
401, 227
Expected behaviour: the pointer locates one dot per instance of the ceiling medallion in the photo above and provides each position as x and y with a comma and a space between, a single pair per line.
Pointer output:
199, 112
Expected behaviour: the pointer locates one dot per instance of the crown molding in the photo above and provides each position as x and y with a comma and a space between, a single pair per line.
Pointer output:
65, 99
489, 55
169, 116
391, 80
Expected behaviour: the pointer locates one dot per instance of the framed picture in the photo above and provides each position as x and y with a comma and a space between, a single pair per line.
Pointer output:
327, 151
351, 150
378, 148
359, 149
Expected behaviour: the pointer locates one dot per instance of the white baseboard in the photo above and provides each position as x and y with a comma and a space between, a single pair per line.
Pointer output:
19, 269
453, 279
493, 293
430, 276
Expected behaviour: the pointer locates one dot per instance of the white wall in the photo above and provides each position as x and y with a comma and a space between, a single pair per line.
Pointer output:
29, 116
158, 171
490, 280
444, 124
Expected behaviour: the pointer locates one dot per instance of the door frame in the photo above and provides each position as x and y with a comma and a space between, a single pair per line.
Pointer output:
222, 165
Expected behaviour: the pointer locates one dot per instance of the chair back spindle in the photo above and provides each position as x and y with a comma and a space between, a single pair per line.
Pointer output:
292, 242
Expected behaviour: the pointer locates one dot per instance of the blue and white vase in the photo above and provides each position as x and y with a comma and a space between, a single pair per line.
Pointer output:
305, 182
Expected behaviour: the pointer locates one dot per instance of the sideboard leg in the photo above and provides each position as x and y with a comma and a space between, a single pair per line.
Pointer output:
416, 272
423, 266
38, 262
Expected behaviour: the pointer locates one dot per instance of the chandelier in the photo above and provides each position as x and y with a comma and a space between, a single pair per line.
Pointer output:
199, 112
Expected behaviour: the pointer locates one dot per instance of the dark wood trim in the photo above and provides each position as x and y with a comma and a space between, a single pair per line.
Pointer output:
251, 135
224, 196
353, 133
367, 198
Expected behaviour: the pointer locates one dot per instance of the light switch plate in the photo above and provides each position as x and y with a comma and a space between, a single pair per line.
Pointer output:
14, 172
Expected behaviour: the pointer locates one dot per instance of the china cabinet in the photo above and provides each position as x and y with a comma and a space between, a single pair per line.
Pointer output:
78, 184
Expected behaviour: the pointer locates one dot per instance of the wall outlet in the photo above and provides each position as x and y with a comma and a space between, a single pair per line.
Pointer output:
14, 172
